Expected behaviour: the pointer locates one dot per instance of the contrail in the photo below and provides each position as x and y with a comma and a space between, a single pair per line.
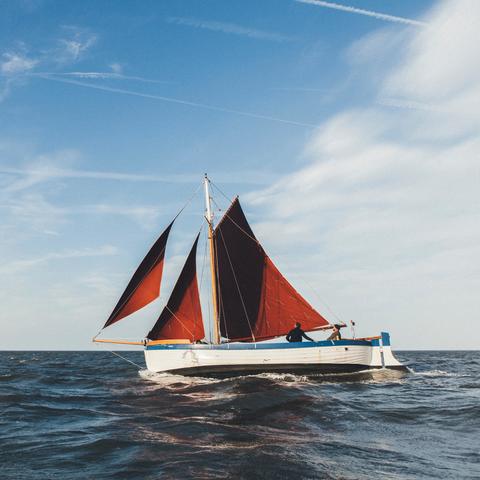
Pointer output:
49, 173
176, 100
228, 28
96, 76
408, 104
361, 11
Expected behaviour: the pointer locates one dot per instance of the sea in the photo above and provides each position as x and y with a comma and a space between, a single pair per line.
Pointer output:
96, 415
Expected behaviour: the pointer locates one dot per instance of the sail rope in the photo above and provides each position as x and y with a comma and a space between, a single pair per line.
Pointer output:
258, 243
319, 298
220, 191
120, 356
183, 325
238, 287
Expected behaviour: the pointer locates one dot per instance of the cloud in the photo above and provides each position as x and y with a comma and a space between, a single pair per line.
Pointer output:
5, 89
387, 205
229, 28
75, 43
15, 63
17, 266
438, 63
361, 11
34, 198
16, 66
144, 215
116, 68
12, 65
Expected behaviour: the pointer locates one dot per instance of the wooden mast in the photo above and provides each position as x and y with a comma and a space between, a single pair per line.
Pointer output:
209, 218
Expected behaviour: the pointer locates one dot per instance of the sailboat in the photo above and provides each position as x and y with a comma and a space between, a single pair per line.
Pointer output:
254, 308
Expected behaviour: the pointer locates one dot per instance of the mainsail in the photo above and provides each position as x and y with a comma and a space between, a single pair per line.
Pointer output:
182, 316
144, 286
255, 301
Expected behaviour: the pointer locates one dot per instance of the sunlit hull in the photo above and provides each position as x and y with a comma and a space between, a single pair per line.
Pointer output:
231, 359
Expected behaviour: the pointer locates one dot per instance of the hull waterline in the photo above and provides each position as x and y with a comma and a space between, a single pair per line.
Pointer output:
303, 358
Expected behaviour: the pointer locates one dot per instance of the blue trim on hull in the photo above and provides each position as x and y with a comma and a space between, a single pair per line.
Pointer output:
264, 346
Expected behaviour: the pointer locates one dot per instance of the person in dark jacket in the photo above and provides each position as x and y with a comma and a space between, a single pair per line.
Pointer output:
296, 334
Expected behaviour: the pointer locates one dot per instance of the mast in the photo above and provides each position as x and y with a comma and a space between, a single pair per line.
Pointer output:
209, 218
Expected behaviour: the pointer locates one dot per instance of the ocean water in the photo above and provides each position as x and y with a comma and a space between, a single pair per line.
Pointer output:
92, 415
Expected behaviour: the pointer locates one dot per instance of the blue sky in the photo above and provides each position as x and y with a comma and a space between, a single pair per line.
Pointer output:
349, 130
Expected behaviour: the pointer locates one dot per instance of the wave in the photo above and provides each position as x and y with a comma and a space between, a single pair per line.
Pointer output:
81, 416
437, 373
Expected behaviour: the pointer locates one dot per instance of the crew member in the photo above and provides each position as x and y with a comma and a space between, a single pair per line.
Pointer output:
296, 334
336, 335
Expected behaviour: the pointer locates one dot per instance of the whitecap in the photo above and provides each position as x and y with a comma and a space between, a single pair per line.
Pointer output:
436, 373
169, 379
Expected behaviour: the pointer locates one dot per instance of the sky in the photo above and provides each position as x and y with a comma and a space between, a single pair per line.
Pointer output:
351, 132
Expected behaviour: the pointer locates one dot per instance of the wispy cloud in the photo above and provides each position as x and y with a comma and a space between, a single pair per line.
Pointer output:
142, 214
229, 28
17, 266
177, 101
12, 65
5, 88
361, 11
15, 63
116, 67
74, 44
31, 196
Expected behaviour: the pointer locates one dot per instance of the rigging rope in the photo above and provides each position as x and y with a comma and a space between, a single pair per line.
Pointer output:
120, 356
183, 325
220, 191
259, 244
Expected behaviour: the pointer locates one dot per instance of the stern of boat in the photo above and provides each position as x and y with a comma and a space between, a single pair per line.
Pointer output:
382, 355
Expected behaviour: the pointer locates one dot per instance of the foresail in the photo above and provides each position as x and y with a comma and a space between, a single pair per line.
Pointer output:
144, 286
255, 301
182, 316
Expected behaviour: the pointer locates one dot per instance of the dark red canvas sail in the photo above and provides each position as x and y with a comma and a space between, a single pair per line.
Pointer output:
255, 301
182, 316
144, 286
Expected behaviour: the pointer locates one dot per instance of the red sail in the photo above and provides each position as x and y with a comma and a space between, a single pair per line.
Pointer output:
144, 286
254, 300
182, 316
282, 306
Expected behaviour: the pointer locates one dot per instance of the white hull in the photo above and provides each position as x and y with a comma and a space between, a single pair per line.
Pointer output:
241, 358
